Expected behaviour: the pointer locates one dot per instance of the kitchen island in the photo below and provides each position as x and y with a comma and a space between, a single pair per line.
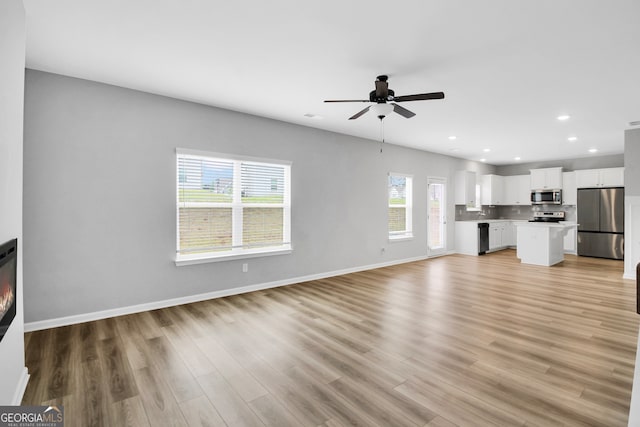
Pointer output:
541, 243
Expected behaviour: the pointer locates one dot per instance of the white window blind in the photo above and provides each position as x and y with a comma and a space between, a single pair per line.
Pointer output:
231, 206
400, 206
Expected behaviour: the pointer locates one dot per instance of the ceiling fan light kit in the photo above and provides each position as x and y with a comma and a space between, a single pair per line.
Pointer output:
381, 110
384, 100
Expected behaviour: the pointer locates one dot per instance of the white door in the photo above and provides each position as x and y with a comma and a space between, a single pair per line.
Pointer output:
436, 216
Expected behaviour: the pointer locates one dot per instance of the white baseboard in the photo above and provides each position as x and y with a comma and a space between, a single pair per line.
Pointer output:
104, 314
631, 236
21, 388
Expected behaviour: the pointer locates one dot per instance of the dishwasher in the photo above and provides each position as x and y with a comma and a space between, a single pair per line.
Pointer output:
483, 238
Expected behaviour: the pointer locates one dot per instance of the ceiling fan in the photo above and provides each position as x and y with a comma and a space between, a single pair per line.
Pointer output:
386, 101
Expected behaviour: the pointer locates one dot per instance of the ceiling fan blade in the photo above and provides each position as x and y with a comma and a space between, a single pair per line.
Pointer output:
359, 113
403, 111
347, 100
419, 97
382, 89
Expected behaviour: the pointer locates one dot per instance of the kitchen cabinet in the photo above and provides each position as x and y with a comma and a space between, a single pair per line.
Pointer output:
501, 235
569, 188
509, 234
466, 238
546, 179
598, 178
495, 236
465, 188
570, 241
542, 243
492, 190
517, 190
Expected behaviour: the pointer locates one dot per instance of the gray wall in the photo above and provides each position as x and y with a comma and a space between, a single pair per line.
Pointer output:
99, 196
12, 52
568, 165
632, 162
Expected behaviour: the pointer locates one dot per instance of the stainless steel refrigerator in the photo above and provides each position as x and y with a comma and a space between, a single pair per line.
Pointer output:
601, 222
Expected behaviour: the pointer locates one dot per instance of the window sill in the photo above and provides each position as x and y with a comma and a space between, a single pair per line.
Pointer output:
400, 238
203, 259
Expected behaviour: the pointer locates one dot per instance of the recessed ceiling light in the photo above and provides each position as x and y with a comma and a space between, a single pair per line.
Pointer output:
483, 160
564, 117
452, 137
516, 158
593, 150
572, 138
486, 150
313, 116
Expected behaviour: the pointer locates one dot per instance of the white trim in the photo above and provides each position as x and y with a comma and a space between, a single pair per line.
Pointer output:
408, 208
442, 181
400, 237
227, 156
399, 174
203, 259
631, 236
104, 314
438, 255
21, 388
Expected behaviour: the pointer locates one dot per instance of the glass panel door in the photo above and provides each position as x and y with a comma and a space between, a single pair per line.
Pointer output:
436, 216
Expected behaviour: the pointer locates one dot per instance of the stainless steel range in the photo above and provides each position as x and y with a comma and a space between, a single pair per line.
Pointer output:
548, 216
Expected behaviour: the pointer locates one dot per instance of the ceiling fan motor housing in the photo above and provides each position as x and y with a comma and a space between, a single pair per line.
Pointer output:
380, 100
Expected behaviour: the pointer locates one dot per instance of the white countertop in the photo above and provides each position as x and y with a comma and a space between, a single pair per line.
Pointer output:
471, 221
561, 224
526, 221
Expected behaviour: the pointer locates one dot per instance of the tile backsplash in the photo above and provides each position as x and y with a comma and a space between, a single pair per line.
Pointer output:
511, 212
487, 212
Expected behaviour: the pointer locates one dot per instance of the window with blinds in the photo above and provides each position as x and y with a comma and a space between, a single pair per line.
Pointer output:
400, 206
230, 206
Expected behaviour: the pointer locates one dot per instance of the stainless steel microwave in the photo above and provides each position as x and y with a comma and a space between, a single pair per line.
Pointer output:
546, 197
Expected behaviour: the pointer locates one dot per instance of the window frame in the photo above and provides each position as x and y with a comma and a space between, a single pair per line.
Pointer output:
237, 206
407, 234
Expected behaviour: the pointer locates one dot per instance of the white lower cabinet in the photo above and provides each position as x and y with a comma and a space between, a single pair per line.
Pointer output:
466, 237
501, 235
495, 236
571, 242
509, 234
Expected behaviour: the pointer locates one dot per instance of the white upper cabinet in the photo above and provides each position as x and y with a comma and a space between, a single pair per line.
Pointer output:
465, 186
517, 190
569, 188
546, 179
492, 190
595, 178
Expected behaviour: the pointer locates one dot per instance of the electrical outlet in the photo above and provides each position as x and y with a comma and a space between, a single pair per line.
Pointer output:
245, 267
382, 251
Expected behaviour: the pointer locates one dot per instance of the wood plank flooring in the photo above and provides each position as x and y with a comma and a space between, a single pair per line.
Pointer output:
456, 340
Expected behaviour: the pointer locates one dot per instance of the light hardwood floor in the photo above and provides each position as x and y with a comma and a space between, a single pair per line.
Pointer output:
456, 340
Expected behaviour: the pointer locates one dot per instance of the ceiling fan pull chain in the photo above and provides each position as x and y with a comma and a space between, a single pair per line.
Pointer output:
381, 134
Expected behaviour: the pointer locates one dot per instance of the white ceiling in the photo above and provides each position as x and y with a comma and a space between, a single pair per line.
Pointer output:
508, 68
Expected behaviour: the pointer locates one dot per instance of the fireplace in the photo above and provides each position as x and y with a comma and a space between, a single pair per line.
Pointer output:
8, 290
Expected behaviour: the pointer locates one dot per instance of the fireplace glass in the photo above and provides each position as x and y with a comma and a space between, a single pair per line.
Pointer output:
8, 291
